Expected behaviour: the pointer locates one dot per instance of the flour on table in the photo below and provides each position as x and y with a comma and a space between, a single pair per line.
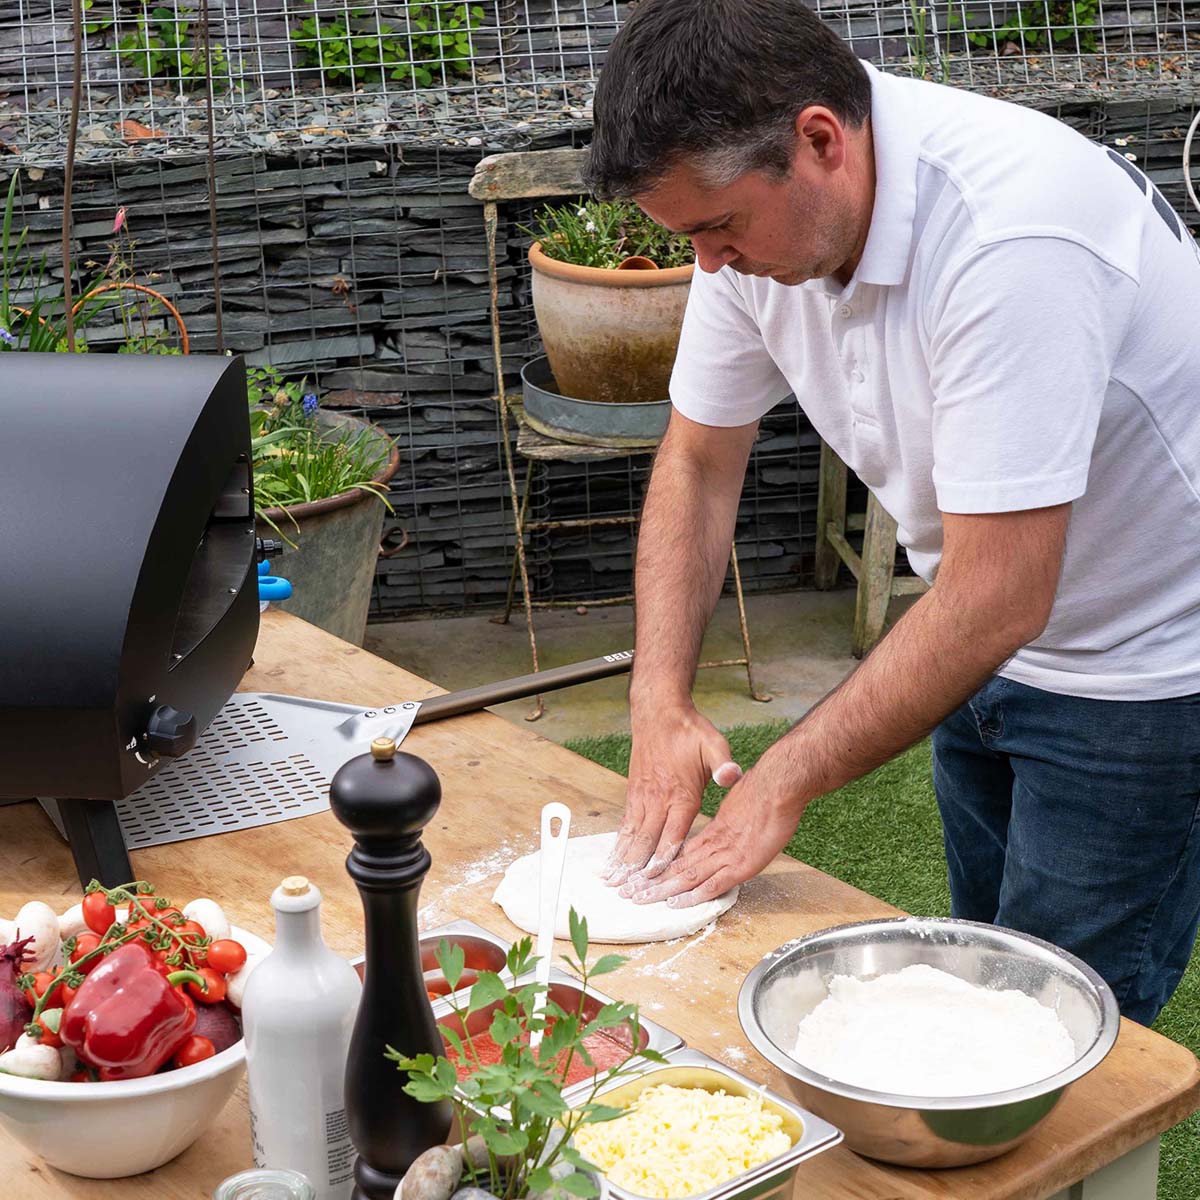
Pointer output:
923, 1032
610, 917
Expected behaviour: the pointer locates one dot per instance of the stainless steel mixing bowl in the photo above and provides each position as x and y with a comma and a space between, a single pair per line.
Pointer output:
913, 1130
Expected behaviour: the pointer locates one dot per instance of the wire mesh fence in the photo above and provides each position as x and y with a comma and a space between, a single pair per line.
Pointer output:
320, 71
352, 255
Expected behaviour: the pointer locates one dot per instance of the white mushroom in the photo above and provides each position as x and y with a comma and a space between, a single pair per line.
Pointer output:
7, 930
32, 1060
235, 984
210, 915
40, 922
71, 923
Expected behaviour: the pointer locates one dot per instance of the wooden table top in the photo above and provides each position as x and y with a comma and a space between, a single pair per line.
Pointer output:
495, 778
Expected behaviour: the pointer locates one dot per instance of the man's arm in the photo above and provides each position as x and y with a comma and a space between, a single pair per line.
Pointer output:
993, 594
683, 550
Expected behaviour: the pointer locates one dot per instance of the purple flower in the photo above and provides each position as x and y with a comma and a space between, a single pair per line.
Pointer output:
310, 405
6, 337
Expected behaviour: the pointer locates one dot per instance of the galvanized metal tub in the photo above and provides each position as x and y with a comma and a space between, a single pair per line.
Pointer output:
331, 564
589, 422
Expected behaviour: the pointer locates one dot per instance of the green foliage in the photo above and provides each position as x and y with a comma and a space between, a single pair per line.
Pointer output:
918, 45
603, 233
1041, 24
98, 24
164, 47
516, 1105
297, 461
434, 44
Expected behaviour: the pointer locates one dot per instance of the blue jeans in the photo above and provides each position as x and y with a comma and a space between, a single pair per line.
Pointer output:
1077, 821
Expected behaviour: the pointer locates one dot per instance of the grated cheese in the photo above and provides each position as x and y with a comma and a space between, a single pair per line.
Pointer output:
680, 1141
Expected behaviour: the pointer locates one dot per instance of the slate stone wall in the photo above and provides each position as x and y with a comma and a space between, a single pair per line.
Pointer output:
364, 266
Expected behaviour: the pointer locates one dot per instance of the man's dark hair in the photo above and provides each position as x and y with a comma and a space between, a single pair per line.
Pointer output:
722, 80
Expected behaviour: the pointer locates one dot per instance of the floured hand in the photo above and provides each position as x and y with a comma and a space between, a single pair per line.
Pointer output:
675, 754
742, 839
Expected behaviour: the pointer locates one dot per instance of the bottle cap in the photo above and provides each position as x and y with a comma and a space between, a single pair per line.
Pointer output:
383, 749
294, 885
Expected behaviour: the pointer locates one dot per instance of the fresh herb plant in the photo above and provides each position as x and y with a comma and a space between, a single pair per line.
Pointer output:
435, 43
603, 233
516, 1105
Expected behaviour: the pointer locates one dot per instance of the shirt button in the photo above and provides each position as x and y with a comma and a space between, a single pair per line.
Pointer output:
845, 311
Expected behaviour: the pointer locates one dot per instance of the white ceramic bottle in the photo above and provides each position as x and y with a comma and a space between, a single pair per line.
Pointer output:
297, 1017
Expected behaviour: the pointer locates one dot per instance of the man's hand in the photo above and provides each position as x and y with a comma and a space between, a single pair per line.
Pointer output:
675, 754
740, 841
994, 593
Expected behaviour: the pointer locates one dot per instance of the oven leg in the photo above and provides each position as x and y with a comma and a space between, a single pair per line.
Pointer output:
94, 834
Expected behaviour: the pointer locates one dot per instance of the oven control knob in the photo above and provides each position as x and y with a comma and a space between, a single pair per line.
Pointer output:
170, 732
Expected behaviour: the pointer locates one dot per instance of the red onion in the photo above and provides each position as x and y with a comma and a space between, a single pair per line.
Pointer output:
219, 1024
15, 1009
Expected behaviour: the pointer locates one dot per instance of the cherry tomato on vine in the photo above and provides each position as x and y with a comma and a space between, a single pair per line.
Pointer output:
37, 989
85, 943
195, 1049
62, 995
216, 987
98, 914
47, 1036
226, 956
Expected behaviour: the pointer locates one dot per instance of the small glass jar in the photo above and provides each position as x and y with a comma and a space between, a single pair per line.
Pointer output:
265, 1183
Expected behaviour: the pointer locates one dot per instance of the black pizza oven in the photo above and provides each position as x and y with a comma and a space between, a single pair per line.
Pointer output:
128, 580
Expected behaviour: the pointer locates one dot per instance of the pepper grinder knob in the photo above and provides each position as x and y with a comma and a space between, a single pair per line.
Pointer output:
386, 798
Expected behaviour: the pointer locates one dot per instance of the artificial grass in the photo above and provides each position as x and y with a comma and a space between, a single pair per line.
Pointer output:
883, 834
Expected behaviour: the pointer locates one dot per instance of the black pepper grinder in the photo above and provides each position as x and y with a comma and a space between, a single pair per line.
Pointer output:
385, 799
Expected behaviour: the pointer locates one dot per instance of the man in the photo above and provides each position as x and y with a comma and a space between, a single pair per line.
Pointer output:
993, 322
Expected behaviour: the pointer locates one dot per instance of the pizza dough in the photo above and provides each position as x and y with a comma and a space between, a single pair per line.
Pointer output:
610, 917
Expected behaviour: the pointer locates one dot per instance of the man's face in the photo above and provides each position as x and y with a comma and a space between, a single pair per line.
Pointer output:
806, 225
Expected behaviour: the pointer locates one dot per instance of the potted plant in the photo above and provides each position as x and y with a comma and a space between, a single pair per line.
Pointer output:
516, 1126
609, 290
320, 484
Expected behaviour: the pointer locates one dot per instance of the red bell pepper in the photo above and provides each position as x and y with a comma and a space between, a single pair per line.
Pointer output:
127, 1019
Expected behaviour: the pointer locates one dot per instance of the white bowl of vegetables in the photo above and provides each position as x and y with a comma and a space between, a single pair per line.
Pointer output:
157, 1093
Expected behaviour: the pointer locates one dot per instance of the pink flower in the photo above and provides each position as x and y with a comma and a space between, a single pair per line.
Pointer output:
119, 223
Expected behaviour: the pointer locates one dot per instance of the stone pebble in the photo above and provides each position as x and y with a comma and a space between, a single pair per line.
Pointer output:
433, 1176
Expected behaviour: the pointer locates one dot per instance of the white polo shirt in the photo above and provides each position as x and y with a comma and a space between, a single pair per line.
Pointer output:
1023, 330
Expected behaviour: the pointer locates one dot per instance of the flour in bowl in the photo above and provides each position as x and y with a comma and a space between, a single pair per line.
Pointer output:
923, 1032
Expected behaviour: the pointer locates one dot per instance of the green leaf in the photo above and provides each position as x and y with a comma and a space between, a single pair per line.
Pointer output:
571, 1155
544, 1101
652, 1056
600, 1113
510, 1141
579, 934
455, 1042
488, 989
578, 1184
427, 1091
504, 1028
452, 959
609, 963
540, 1180
446, 1074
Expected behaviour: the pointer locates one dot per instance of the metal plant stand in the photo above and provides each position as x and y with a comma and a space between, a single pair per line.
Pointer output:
529, 175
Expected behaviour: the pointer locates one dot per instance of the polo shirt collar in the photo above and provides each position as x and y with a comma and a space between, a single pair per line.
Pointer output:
895, 135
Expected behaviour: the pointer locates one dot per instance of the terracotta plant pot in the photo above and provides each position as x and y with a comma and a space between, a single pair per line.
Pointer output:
610, 335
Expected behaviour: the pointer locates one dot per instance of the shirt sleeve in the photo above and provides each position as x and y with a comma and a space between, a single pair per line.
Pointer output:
723, 372
1022, 340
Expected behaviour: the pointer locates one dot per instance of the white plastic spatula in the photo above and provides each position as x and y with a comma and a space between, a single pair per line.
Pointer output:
554, 857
